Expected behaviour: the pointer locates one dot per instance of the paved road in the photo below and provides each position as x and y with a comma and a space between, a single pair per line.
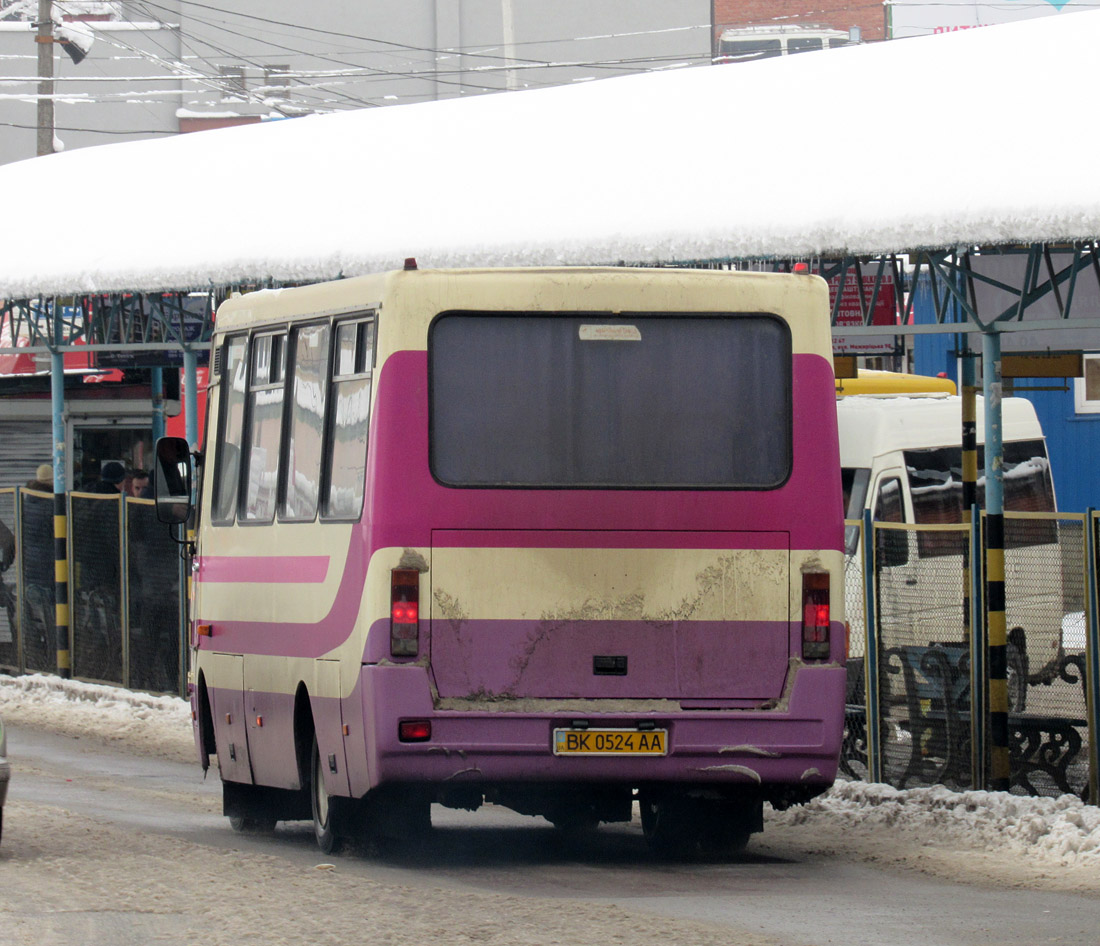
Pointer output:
775, 891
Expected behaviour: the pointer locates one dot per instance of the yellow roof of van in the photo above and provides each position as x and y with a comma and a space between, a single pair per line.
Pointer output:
893, 382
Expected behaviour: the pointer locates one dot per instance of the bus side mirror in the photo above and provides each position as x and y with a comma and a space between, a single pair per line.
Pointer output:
172, 480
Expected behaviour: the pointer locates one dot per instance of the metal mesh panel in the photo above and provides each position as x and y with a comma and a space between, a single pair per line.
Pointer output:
95, 590
1044, 614
9, 586
38, 615
152, 558
923, 656
853, 752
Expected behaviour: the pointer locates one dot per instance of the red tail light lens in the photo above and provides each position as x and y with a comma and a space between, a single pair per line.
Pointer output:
414, 730
404, 612
815, 616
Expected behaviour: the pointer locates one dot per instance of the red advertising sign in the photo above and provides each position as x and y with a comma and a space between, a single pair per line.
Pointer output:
884, 312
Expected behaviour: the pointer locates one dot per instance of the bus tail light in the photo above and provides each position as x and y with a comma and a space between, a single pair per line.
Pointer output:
404, 612
815, 616
414, 730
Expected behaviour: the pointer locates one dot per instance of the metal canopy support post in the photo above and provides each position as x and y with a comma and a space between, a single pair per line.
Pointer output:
972, 558
870, 652
995, 563
191, 399
978, 669
156, 385
1092, 656
60, 517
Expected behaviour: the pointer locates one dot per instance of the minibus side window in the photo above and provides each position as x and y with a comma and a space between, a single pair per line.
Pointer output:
935, 482
265, 416
233, 391
893, 547
305, 433
1028, 488
349, 413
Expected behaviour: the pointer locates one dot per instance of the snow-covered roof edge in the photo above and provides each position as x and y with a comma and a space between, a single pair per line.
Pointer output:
927, 142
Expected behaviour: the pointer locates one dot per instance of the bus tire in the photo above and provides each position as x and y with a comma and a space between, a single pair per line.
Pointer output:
726, 828
245, 825
326, 808
668, 827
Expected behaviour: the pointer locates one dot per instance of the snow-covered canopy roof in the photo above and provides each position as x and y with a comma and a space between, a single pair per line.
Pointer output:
976, 137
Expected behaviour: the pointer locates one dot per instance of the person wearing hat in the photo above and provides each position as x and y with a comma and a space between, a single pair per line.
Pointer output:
111, 476
43, 479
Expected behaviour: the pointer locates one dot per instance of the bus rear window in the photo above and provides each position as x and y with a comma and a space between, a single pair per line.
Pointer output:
639, 401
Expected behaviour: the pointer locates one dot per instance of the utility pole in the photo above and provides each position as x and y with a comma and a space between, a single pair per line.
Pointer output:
44, 39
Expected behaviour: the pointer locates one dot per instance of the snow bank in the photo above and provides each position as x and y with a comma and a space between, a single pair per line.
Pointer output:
157, 725
1054, 831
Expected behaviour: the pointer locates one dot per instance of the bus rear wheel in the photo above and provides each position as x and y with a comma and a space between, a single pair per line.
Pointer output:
326, 808
678, 827
246, 825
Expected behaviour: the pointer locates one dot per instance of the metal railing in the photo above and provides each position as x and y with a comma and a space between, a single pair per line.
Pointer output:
918, 674
125, 591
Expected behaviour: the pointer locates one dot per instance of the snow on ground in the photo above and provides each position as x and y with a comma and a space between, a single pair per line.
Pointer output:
151, 725
1016, 839
791, 156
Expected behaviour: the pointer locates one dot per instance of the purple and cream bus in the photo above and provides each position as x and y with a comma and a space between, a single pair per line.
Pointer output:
564, 540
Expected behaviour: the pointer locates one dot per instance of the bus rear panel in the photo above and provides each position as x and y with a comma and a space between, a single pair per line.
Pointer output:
574, 544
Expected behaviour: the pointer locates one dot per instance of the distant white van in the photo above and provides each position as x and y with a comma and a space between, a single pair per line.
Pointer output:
746, 43
901, 457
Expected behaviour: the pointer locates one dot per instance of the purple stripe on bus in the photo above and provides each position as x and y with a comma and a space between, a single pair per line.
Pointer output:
270, 569
650, 659
797, 744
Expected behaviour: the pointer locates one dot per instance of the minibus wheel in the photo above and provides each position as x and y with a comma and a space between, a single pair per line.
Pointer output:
326, 818
668, 825
244, 825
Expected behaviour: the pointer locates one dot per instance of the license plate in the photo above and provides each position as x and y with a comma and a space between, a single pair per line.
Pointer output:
610, 742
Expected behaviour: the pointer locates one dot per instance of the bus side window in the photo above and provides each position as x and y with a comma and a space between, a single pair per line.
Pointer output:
348, 414
265, 425
231, 430
893, 548
301, 489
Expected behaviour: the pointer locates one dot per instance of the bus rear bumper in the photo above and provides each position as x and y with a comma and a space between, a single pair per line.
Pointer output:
797, 744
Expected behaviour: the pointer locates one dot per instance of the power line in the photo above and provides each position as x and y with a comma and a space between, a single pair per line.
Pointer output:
94, 131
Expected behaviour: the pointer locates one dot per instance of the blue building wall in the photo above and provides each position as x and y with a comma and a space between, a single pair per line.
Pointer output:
1073, 440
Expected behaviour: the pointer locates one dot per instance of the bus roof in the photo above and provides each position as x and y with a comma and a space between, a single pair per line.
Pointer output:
872, 426
608, 290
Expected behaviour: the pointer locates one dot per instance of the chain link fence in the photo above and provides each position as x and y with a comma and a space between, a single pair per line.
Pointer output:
153, 599
37, 610
931, 728
124, 587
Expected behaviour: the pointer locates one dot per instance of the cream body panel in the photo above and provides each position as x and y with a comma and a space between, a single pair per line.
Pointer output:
276, 601
610, 584
408, 301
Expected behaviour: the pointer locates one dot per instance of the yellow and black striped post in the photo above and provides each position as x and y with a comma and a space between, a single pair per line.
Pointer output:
971, 608
995, 564
61, 581
998, 652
